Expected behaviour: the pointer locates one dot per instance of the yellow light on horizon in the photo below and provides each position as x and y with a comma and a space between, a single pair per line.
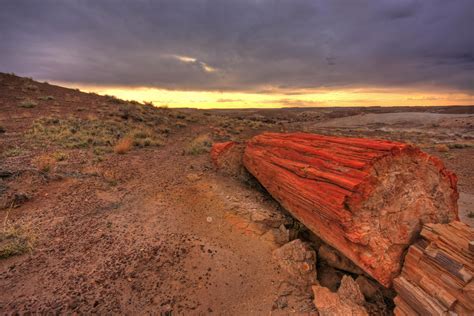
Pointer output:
318, 98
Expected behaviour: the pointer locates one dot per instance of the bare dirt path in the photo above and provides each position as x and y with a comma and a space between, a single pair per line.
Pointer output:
159, 240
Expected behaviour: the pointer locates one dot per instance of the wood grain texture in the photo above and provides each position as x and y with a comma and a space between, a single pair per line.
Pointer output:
367, 198
439, 269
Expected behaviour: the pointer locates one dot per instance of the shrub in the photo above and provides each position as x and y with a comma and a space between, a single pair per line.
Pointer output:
93, 132
46, 98
123, 145
199, 145
14, 241
44, 163
60, 156
13, 152
28, 104
442, 148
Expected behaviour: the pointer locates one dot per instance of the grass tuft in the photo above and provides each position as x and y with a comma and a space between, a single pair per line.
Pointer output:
28, 104
123, 145
14, 241
199, 145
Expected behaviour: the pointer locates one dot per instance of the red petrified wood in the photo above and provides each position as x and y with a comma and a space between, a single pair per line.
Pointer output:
367, 198
219, 149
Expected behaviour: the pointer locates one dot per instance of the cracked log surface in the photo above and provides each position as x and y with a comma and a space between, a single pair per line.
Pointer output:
366, 198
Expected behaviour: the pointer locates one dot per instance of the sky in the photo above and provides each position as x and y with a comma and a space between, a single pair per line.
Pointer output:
243, 53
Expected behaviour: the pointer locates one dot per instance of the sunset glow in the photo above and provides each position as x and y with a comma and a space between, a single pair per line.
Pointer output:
316, 98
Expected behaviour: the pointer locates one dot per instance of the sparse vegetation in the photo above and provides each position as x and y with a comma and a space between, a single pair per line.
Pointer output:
45, 163
123, 145
442, 148
60, 156
28, 104
46, 98
14, 241
470, 214
199, 145
13, 152
30, 86
84, 133
458, 146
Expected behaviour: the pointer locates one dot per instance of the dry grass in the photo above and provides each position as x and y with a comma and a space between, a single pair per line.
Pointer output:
44, 163
46, 98
123, 145
14, 240
28, 104
442, 148
199, 145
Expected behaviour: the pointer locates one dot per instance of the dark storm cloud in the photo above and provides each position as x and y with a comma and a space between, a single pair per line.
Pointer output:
241, 45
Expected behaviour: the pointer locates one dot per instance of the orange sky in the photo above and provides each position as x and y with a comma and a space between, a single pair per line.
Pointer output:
368, 96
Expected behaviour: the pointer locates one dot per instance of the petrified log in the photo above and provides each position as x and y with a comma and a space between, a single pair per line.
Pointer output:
227, 158
437, 276
366, 198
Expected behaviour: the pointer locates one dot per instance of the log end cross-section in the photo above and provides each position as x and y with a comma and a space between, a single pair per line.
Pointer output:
367, 198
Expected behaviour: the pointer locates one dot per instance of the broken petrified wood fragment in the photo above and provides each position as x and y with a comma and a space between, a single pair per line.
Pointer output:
227, 158
366, 198
437, 276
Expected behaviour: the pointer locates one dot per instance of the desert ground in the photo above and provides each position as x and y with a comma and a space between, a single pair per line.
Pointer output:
111, 206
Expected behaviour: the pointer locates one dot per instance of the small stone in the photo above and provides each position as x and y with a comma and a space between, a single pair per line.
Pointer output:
335, 259
292, 257
368, 288
349, 289
333, 304
209, 219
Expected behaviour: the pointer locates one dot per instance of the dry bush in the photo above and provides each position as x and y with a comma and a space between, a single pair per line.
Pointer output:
14, 241
28, 104
46, 98
199, 145
442, 148
123, 145
44, 163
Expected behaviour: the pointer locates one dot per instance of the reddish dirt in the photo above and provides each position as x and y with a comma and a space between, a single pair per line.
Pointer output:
153, 230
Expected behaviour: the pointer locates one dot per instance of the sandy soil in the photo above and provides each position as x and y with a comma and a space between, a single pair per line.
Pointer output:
157, 229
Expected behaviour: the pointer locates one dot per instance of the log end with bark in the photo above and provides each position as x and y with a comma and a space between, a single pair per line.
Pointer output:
227, 159
367, 198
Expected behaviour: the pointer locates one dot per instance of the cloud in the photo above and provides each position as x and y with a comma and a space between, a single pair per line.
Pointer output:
194, 61
243, 45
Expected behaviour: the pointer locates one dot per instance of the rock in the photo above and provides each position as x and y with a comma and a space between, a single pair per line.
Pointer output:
280, 303
369, 288
277, 236
366, 198
329, 277
267, 218
349, 289
437, 275
332, 304
335, 259
298, 259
